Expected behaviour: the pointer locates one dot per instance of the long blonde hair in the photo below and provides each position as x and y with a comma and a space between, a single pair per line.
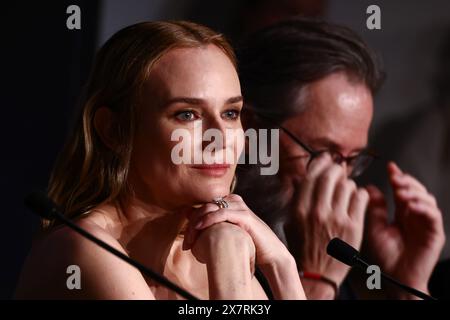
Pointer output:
87, 173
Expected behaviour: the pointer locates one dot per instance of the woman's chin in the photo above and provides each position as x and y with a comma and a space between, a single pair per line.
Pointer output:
208, 193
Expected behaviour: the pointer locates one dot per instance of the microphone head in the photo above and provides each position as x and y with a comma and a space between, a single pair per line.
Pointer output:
342, 251
41, 204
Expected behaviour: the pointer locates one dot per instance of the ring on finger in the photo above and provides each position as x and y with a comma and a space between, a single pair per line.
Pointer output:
221, 203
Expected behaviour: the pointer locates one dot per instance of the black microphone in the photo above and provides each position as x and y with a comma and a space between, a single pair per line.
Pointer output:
39, 203
345, 253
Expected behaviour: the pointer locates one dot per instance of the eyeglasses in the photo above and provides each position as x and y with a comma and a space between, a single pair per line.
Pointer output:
357, 164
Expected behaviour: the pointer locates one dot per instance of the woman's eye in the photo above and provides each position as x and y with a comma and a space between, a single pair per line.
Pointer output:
185, 116
231, 114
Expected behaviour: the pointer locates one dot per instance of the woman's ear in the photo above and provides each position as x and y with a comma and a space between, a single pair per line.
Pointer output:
104, 120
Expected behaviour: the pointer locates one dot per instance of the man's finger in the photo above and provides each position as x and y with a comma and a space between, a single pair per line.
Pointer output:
408, 195
326, 185
376, 197
377, 215
343, 194
305, 188
358, 204
318, 165
400, 179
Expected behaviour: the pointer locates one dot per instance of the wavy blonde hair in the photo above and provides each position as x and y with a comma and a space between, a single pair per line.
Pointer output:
87, 173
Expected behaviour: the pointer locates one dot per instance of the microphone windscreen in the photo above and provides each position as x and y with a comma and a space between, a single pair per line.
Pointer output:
342, 251
41, 204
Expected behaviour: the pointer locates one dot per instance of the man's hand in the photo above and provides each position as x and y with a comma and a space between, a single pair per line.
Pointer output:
326, 204
409, 247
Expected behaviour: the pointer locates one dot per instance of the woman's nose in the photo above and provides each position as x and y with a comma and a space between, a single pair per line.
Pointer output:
214, 131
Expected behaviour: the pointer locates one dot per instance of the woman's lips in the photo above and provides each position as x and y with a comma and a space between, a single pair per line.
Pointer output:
215, 170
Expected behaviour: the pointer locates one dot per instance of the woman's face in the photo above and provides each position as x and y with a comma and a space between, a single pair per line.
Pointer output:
192, 89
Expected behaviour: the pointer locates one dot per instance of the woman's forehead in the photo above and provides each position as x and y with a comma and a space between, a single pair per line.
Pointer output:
200, 72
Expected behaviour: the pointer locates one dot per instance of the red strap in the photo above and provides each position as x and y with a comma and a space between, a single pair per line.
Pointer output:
319, 277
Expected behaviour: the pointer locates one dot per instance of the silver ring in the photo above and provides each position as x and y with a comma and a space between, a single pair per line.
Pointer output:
221, 203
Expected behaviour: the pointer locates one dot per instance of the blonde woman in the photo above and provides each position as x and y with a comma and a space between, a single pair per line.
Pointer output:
116, 178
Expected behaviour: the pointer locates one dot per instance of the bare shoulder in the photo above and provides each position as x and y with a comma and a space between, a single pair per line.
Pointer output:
63, 257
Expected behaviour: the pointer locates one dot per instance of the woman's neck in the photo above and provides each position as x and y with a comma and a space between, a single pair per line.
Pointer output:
135, 213
148, 232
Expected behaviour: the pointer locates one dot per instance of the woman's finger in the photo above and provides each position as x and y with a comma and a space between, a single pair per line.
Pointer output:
198, 213
207, 220
239, 218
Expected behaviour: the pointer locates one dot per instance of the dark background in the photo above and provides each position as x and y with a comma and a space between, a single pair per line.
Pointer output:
44, 66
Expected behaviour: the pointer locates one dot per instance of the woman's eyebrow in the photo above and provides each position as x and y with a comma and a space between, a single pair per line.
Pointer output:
198, 101
234, 100
187, 100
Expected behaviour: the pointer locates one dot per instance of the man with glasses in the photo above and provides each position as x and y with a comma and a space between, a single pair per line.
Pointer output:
315, 82
355, 164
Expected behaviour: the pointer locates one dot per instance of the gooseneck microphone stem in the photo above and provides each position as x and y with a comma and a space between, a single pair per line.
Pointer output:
148, 272
345, 253
361, 264
51, 211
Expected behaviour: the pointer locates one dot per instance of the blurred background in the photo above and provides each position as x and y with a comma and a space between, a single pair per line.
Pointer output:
44, 66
